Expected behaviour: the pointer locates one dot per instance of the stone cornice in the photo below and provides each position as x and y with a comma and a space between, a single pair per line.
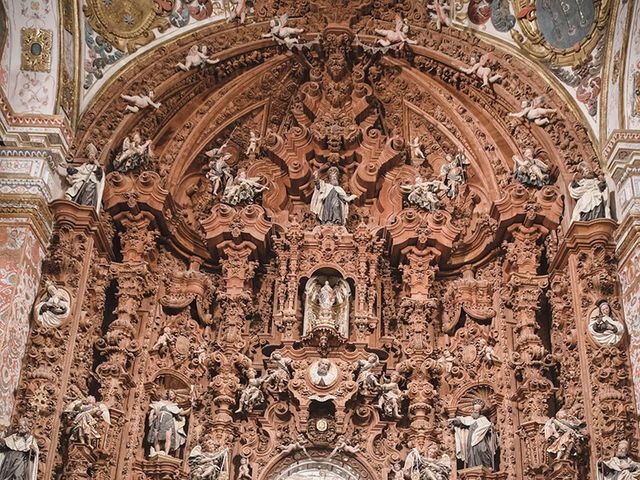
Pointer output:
30, 209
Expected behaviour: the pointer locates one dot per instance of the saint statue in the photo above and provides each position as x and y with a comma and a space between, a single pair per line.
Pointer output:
86, 181
54, 308
391, 397
329, 201
82, 414
19, 454
591, 195
603, 327
278, 378
427, 467
327, 304
166, 425
252, 393
619, 467
366, 380
476, 442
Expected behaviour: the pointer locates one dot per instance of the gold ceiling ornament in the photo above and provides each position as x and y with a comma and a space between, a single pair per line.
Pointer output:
560, 32
127, 24
36, 49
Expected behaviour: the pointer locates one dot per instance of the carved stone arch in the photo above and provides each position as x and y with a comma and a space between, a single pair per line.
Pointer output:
283, 467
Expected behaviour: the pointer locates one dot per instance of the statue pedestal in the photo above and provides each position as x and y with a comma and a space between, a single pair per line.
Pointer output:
160, 467
480, 473
562, 470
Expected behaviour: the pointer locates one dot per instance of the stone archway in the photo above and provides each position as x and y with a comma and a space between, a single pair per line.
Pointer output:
319, 469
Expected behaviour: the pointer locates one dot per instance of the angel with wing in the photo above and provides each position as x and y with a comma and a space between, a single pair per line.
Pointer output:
534, 112
219, 171
134, 154
138, 102
83, 415
281, 33
530, 170
480, 67
399, 36
197, 57
242, 189
425, 195
453, 173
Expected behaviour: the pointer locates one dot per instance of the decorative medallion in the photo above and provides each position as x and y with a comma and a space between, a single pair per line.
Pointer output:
36, 49
126, 24
322, 425
479, 11
501, 17
565, 23
561, 32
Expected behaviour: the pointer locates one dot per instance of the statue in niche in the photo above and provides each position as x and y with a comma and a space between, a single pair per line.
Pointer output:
480, 67
619, 467
534, 112
86, 181
166, 426
591, 195
425, 195
54, 308
431, 466
343, 446
329, 201
323, 373
278, 378
476, 442
279, 31
366, 380
530, 170
453, 173
207, 463
197, 57
399, 36
605, 329
139, 102
327, 304
252, 394
564, 434
81, 414
19, 454
242, 189
135, 153
391, 397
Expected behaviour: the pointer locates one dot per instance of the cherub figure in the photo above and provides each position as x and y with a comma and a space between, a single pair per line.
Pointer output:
485, 351
533, 112
417, 155
81, 415
138, 102
299, 444
281, 33
399, 36
239, 12
530, 170
480, 67
244, 472
197, 57
165, 341
441, 13
252, 148
343, 446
